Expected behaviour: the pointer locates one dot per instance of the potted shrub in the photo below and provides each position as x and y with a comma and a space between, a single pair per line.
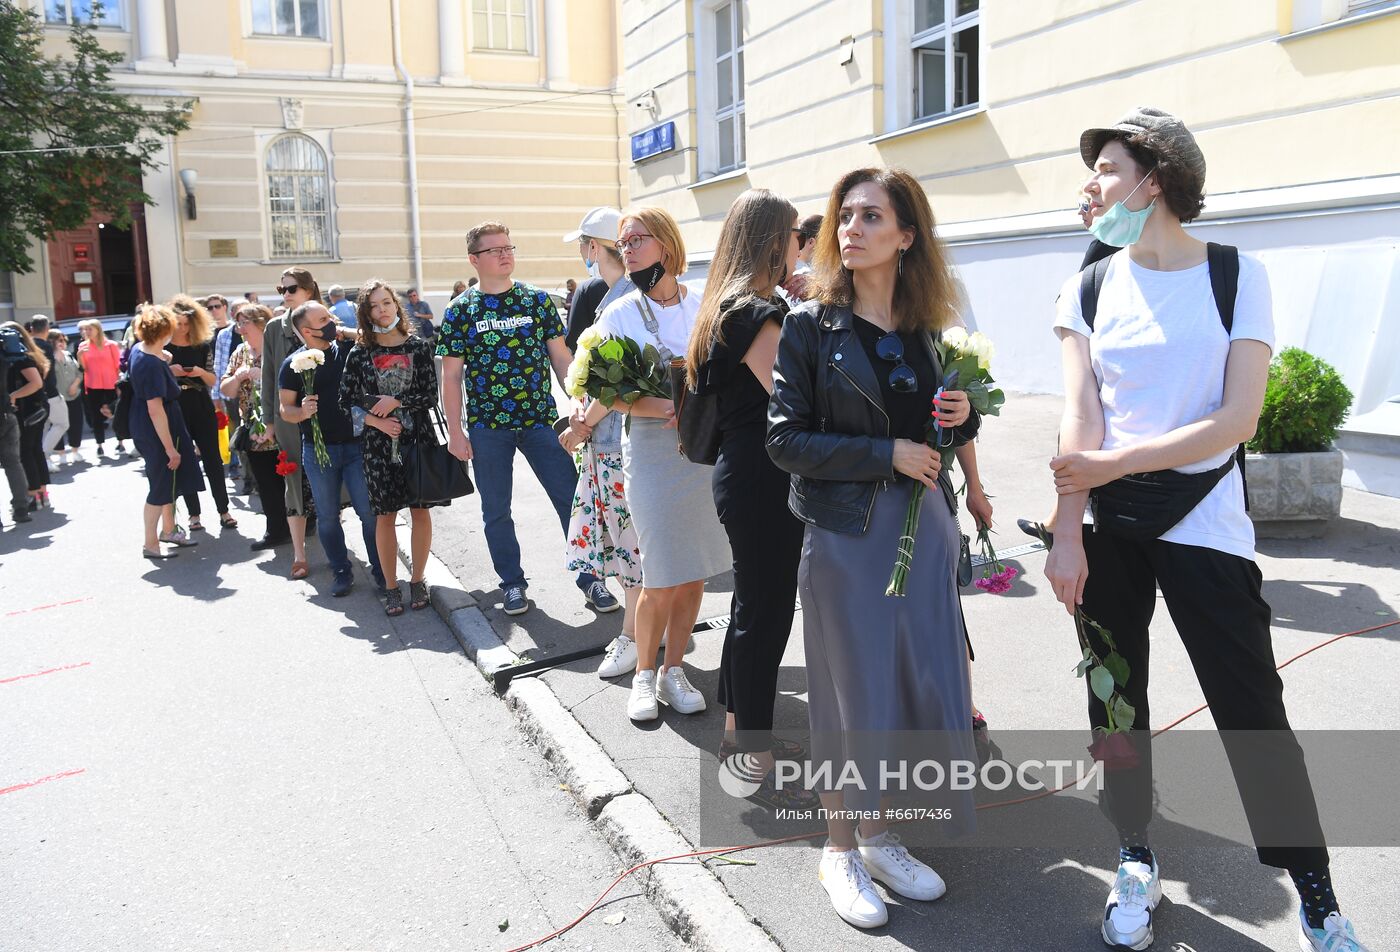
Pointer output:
1294, 470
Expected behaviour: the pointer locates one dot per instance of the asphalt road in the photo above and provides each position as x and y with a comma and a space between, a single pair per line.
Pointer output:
201, 754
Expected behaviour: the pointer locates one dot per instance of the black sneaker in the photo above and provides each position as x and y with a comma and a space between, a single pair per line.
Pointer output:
515, 602
20, 514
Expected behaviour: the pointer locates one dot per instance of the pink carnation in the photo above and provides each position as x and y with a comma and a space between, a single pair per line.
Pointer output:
997, 583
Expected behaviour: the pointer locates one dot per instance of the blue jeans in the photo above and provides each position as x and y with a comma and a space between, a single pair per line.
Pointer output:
346, 469
493, 459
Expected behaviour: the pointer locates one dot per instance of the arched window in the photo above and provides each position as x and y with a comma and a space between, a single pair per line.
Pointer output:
298, 195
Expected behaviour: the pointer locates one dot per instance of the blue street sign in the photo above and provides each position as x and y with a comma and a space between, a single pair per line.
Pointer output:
653, 141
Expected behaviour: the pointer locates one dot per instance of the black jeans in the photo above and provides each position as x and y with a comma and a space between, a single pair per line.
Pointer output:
11, 461
766, 540
75, 424
272, 490
95, 400
31, 453
1220, 614
198, 410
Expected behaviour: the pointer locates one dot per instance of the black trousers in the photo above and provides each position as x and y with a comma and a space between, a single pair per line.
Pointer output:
95, 400
1220, 614
198, 410
766, 540
31, 453
11, 460
75, 423
272, 490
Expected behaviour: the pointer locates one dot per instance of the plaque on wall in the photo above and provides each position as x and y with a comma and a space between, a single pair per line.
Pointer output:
223, 247
82, 277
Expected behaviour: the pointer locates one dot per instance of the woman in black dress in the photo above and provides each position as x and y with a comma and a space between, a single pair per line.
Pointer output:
390, 383
192, 362
158, 430
731, 356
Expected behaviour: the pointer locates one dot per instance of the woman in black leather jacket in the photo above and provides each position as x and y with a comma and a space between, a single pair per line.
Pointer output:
852, 391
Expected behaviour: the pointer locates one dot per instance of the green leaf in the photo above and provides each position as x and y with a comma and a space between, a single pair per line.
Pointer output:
611, 349
1101, 683
1117, 666
630, 395
615, 373
1083, 666
608, 395
1123, 712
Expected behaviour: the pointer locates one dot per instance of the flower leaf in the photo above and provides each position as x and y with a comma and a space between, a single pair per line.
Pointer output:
1117, 666
1123, 713
1101, 683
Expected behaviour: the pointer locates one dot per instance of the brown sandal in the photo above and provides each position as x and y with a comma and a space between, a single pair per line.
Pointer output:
300, 570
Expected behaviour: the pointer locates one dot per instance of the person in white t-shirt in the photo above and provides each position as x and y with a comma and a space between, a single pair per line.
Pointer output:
1157, 383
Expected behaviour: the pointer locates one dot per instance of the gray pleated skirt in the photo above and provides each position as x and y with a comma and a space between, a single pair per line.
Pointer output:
878, 664
673, 509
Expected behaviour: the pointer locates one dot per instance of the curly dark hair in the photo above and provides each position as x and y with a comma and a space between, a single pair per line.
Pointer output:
1183, 193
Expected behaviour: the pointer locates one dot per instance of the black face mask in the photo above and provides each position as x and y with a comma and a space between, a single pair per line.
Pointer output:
325, 333
648, 278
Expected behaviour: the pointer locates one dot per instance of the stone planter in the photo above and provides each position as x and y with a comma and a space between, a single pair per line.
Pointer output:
1294, 495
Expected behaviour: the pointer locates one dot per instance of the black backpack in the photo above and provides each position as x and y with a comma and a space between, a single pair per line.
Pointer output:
1224, 264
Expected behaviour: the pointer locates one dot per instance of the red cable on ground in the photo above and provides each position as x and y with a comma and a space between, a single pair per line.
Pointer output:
986, 806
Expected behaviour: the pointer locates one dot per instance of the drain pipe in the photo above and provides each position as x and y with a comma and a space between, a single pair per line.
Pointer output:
415, 226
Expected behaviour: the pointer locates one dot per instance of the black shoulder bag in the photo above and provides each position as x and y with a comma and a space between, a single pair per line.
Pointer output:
434, 475
1144, 506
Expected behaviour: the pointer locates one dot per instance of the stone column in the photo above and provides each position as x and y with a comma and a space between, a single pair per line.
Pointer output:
452, 43
556, 43
152, 44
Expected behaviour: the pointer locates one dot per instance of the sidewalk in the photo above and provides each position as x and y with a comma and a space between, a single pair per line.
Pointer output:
999, 900
237, 761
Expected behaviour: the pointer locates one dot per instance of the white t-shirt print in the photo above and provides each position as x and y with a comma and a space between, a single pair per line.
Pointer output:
1158, 350
624, 318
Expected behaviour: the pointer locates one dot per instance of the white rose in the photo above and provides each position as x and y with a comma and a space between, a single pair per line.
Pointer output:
956, 337
307, 359
577, 376
590, 338
982, 347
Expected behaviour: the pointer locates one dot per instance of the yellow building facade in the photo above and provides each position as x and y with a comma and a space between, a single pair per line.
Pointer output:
1295, 103
299, 153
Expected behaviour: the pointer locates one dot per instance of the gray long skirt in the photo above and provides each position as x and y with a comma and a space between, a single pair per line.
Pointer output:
877, 664
673, 509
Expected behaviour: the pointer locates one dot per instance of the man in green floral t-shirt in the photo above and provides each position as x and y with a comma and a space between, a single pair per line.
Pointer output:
507, 336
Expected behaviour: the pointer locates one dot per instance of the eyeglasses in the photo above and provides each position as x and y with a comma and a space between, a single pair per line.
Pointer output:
902, 378
633, 243
498, 252
217, 307
288, 289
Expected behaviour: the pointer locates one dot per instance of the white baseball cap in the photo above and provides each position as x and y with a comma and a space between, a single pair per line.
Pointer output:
601, 222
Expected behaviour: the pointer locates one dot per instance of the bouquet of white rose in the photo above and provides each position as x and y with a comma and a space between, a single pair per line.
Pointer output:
305, 363
610, 369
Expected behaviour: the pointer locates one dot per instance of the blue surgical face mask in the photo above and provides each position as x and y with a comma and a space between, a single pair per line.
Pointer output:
1120, 227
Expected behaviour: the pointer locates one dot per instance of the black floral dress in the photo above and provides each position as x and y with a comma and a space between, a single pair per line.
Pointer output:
406, 372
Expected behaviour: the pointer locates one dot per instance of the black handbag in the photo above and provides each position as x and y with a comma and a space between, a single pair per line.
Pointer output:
36, 416
697, 419
242, 439
432, 473
1144, 506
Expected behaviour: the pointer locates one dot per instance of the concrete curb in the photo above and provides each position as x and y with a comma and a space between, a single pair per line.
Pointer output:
689, 897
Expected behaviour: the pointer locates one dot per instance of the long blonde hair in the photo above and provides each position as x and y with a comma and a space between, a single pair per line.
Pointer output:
751, 254
924, 295
201, 324
99, 337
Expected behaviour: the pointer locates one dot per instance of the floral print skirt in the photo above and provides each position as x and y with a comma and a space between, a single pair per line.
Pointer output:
601, 538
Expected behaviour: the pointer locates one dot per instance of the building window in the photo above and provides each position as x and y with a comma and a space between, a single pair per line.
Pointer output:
502, 25
1358, 7
298, 195
287, 18
7, 295
945, 83
729, 85
96, 12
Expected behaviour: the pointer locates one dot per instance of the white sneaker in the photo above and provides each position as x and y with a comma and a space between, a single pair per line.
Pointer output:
641, 706
853, 896
891, 864
620, 658
677, 691
1336, 935
1127, 919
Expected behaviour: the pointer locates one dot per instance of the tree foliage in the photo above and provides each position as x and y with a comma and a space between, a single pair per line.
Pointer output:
71, 144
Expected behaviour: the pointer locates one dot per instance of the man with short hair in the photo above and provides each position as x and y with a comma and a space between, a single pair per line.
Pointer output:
341, 309
345, 469
420, 316
508, 336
